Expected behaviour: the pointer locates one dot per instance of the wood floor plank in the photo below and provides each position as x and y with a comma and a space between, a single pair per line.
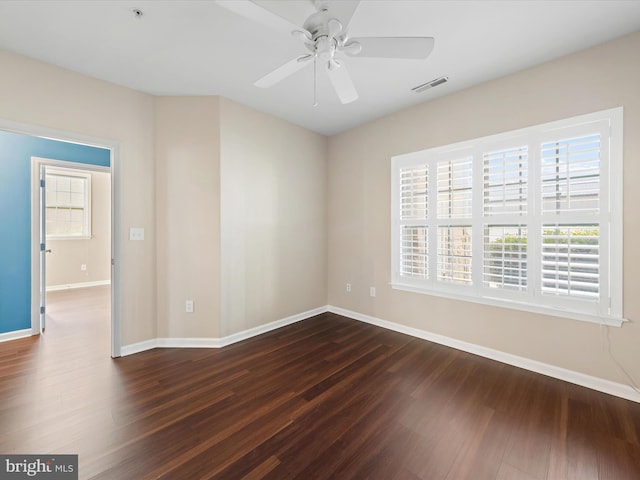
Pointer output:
509, 472
324, 398
483, 453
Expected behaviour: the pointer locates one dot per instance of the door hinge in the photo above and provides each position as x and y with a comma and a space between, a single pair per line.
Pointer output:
42, 183
41, 310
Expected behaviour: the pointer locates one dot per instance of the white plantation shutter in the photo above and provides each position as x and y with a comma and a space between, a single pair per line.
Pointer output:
455, 188
414, 210
529, 219
454, 254
455, 201
570, 175
505, 182
571, 260
570, 182
414, 252
505, 257
505, 189
413, 192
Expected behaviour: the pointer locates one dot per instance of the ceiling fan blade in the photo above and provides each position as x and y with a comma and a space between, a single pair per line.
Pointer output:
259, 14
394, 47
343, 10
284, 71
342, 83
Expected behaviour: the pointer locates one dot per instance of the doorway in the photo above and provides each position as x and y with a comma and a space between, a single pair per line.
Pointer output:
73, 232
21, 276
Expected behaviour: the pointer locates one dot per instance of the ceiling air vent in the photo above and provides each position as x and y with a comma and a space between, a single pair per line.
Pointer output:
430, 84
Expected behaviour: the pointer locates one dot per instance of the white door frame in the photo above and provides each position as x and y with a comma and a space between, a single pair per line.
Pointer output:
38, 253
114, 148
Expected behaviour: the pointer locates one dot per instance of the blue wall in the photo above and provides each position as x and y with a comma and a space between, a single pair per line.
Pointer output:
16, 151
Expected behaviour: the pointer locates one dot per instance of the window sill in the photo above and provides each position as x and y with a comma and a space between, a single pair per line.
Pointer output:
516, 305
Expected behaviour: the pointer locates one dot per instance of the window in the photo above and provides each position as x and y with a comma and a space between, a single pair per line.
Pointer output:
68, 203
529, 219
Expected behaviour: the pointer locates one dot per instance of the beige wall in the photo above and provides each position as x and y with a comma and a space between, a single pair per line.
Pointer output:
273, 200
66, 257
603, 77
232, 234
188, 215
35, 93
169, 172
244, 201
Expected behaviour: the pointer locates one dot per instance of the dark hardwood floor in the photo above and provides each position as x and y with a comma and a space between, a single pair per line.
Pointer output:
328, 397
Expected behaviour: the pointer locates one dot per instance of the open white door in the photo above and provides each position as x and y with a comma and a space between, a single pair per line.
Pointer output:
43, 246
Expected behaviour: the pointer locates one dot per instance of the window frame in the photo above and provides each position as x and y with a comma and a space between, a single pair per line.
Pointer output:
608, 308
86, 177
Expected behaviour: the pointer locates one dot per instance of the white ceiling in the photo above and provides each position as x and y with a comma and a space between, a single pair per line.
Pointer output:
196, 47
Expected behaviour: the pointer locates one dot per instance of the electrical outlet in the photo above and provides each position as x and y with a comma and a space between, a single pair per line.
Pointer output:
348, 287
83, 267
372, 291
188, 306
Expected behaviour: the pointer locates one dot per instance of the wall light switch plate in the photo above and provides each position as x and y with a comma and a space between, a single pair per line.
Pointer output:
136, 233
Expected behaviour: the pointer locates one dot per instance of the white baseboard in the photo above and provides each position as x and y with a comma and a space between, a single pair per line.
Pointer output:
54, 288
594, 383
4, 337
218, 342
252, 332
188, 342
138, 347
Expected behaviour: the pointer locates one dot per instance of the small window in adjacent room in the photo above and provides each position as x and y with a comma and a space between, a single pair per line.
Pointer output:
529, 219
68, 203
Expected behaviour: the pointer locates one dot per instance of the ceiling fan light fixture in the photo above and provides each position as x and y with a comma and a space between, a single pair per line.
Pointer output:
430, 84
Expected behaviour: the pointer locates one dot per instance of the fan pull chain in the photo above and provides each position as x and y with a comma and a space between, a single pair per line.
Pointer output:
315, 81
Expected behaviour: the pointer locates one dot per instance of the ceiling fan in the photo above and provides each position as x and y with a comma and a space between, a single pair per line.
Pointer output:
324, 34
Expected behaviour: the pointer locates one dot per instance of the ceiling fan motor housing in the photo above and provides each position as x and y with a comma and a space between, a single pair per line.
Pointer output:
324, 30
318, 24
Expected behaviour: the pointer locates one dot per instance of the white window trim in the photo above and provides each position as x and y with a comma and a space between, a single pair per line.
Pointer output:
69, 172
611, 221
